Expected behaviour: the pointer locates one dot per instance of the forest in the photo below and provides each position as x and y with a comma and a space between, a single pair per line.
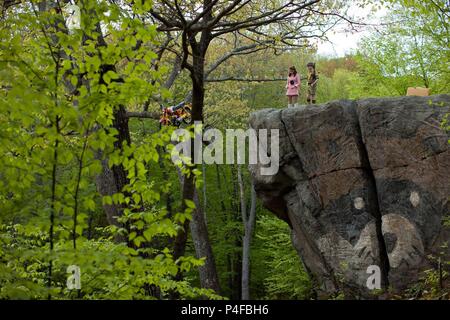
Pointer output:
88, 188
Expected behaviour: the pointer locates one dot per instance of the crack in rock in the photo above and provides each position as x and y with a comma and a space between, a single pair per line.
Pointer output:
351, 196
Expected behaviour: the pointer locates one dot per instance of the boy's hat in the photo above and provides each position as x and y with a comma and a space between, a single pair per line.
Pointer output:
311, 64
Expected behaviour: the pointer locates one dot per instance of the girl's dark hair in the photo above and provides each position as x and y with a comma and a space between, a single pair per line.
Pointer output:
293, 69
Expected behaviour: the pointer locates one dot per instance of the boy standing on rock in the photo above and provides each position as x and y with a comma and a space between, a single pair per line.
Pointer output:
312, 83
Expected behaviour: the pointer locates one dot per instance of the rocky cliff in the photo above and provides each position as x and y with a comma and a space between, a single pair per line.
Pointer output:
361, 183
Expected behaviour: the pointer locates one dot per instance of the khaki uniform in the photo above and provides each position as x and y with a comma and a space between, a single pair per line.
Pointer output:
312, 85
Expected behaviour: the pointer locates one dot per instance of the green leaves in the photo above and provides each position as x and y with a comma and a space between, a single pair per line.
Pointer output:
110, 75
56, 134
285, 277
408, 52
190, 204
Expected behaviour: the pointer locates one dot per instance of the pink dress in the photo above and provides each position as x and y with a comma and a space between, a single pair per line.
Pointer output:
292, 89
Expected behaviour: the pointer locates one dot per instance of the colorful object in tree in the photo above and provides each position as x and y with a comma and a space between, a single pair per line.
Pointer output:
176, 115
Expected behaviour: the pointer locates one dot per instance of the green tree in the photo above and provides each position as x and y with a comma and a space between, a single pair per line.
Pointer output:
58, 105
411, 50
285, 277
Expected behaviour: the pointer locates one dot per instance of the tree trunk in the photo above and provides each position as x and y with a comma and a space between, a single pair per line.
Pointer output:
113, 180
188, 190
198, 85
248, 222
200, 238
107, 186
237, 269
120, 123
236, 255
219, 187
208, 272
204, 193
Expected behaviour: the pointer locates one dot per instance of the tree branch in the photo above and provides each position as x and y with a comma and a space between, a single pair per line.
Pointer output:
239, 79
143, 114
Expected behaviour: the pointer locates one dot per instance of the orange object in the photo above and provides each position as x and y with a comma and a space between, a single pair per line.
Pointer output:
175, 115
418, 91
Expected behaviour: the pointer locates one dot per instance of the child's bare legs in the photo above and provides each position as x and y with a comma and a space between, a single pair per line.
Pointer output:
295, 100
311, 98
292, 101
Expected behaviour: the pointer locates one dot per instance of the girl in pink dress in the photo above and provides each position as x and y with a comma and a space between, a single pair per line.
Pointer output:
292, 86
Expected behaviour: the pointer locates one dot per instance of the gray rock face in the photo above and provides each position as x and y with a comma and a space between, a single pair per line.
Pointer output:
361, 183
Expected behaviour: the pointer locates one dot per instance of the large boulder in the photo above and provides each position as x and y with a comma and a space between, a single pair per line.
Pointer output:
361, 183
